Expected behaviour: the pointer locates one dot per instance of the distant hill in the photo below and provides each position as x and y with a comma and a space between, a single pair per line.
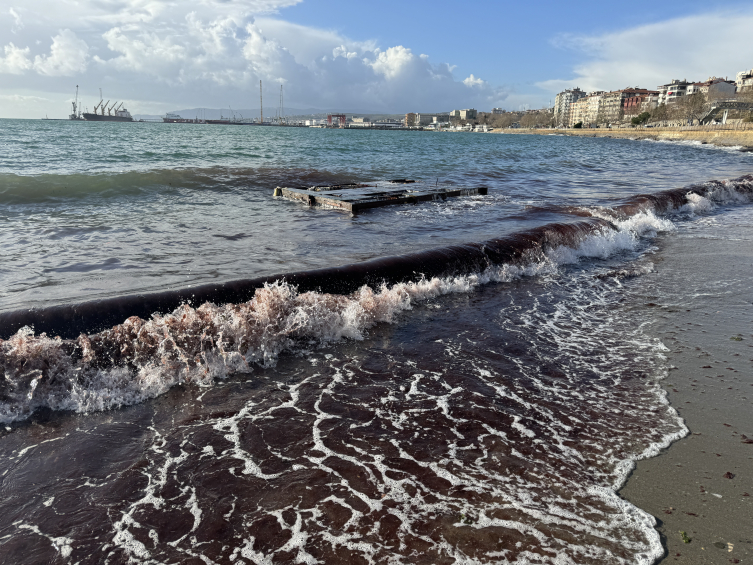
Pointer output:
245, 113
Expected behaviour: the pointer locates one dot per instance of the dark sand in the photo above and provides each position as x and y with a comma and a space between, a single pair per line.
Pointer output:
700, 298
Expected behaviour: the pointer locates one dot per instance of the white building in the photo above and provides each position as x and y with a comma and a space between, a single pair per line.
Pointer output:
387, 123
424, 119
467, 114
562, 104
650, 103
593, 106
668, 93
744, 81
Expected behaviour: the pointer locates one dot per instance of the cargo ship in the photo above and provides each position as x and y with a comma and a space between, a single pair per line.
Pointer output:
113, 114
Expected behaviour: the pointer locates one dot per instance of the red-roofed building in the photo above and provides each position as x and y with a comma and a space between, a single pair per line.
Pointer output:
634, 100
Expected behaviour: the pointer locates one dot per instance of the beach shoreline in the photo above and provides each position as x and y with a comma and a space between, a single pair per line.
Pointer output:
723, 136
698, 298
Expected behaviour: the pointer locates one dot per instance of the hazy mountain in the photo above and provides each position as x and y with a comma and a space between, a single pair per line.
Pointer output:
269, 113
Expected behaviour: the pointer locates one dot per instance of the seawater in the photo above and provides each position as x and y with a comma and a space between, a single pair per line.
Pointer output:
486, 415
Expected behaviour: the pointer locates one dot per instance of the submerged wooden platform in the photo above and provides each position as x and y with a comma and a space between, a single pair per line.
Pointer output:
356, 197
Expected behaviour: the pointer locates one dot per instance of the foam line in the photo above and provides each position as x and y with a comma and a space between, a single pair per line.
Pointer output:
69, 321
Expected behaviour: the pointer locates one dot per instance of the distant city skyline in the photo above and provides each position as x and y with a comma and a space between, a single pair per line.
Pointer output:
157, 56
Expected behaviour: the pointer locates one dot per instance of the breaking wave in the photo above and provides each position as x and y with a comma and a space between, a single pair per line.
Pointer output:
148, 354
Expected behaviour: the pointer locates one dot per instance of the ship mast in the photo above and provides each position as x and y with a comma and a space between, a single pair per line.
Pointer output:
261, 105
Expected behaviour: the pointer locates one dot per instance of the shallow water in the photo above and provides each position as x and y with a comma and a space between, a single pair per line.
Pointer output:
485, 416
92, 210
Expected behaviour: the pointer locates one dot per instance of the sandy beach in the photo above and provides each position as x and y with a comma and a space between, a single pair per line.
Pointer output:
703, 484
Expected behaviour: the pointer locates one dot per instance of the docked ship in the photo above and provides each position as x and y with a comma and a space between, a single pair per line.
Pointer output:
171, 118
112, 114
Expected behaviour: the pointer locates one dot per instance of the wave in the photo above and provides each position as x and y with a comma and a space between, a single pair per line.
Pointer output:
30, 189
697, 143
96, 361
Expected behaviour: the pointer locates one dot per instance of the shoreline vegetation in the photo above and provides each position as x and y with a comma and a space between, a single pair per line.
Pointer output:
734, 135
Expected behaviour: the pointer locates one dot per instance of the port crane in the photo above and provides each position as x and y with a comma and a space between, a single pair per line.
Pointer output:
76, 115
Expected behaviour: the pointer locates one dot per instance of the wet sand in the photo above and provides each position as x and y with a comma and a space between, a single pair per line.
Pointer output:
700, 300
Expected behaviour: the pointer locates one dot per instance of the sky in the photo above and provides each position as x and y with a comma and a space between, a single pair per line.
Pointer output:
386, 57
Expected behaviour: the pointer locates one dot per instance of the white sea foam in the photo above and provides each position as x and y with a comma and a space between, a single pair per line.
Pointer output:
200, 345
562, 504
696, 143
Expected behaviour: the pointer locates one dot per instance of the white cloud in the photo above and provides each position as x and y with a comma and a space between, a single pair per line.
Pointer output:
18, 24
214, 52
692, 48
474, 81
68, 56
141, 51
392, 62
321, 69
307, 44
22, 98
342, 51
15, 60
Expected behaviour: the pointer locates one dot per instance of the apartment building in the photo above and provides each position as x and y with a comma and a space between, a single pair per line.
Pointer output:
423, 119
468, 114
562, 104
611, 106
744, 81
593, 106
578, 111
715, 88
633, 100
668, 93
650, 102
615, 105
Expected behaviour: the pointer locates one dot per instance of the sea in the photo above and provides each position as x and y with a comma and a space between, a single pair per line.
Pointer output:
196, 371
